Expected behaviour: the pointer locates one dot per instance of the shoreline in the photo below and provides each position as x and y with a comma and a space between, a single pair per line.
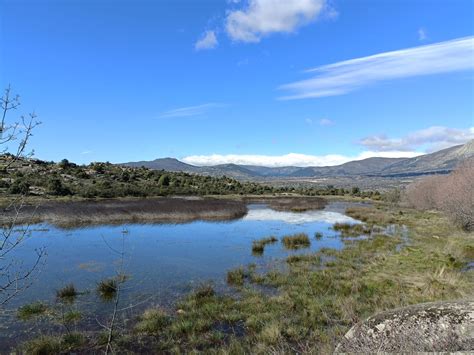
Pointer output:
77, 213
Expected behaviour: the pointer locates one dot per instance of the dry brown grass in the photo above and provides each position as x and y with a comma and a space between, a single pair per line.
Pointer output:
113, 211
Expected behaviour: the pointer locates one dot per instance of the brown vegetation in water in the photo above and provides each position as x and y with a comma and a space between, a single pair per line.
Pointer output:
292, 204
452, 194
151, 210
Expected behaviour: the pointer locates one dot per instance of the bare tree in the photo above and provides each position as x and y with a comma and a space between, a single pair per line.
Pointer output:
14, 137
456, 195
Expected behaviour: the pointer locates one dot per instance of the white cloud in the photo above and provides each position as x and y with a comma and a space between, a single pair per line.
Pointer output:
291, 159
207, 41
433, 138
325, 122
190, 110
422, 35
346, 76
260, 18
85, 152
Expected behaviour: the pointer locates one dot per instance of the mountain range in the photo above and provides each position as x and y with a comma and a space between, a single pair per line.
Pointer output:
440, 162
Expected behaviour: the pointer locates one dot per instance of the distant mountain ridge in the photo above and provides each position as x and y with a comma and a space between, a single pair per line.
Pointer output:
439, 162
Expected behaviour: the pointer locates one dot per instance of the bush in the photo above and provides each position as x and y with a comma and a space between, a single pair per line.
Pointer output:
452, 194
20, 187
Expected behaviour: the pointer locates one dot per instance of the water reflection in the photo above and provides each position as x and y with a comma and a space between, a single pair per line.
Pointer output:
262, 213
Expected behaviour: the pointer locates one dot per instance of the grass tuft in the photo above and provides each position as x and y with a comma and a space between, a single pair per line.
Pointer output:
107, 289
68, 293
258, 246
32, 310
296, 241
152, 321
236, 276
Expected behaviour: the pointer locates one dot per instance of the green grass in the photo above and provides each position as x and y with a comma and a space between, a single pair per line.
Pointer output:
236, 276
296, 241
258, 246
352, 230
32, 310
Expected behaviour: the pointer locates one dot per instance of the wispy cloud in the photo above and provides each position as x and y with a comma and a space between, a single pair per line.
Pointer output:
322, 122
291, 159
325, 122
346, 76
85, 152
259, 18
431, 138
190, 111
422, 35
207, 41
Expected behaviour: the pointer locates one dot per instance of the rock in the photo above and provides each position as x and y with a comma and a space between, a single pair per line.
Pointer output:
426, 327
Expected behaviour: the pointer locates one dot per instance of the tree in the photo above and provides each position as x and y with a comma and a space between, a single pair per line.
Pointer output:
14, 138
164, 180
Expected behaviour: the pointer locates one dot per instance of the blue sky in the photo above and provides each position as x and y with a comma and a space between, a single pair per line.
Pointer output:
303, 82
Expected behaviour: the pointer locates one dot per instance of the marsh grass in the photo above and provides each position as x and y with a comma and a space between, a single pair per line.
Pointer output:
152, 321
319, 296
68, 214
258, 246
67, 294
352, 230
236, 277
296, 241
318, 235
107, 289
55, 344
32, 310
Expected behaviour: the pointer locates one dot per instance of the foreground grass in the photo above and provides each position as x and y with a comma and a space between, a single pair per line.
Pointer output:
319, 296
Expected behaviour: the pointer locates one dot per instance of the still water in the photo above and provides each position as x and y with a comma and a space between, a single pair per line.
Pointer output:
164, 261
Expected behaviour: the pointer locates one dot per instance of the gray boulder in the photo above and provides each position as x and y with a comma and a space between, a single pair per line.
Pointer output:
427, 327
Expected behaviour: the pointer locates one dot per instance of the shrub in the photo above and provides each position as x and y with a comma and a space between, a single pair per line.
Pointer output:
452, 194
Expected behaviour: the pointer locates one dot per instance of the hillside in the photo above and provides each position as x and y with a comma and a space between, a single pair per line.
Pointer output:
442, 161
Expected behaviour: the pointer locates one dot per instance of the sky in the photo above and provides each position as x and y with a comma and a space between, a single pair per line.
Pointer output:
263, 82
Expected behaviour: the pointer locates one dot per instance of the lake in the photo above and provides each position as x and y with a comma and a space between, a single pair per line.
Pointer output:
162, 261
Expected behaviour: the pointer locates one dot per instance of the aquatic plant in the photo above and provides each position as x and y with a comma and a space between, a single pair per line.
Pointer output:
296, 241
152, 321
351, 230
318, 235
107, 289
236, 276
43, 345
68, 293
32, 310
204, 290
258, 246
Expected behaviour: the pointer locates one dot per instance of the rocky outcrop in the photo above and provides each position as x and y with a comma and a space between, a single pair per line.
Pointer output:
427, 327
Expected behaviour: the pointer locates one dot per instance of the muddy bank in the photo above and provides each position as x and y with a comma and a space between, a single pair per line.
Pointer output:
114, 211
